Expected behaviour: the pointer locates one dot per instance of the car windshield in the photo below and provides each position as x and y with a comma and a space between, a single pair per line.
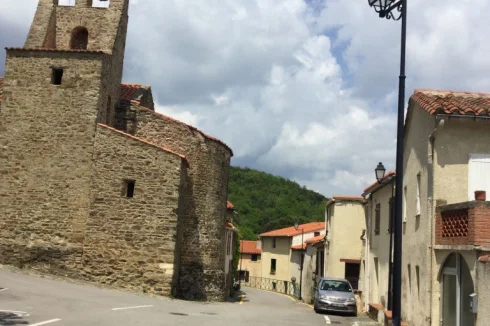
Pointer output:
332, 285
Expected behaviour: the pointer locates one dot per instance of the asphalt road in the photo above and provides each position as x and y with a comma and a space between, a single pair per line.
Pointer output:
36, 301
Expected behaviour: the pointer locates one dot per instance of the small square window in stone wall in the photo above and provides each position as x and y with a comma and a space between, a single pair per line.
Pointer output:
128, 190
56, 76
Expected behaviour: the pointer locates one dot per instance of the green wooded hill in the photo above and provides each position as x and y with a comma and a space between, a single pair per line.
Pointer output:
266, 202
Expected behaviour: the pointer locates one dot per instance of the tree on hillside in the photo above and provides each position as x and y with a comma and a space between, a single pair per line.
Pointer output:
265, 202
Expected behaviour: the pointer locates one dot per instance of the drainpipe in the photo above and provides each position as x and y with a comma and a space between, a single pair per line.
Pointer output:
431, 208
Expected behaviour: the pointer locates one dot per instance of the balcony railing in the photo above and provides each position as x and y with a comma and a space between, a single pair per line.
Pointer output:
270, 284
466, 223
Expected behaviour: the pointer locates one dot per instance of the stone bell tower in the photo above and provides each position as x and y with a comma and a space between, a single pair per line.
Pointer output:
83, 27
56, 89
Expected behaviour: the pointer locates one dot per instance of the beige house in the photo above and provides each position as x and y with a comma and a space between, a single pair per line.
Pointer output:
281, 252
446, 233
314, 266
346, 225
379, 212
250, 266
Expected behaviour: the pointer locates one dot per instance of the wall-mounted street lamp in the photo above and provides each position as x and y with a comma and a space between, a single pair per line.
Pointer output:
296, 226
380, 172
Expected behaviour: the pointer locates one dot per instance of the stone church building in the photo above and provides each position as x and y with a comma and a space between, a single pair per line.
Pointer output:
96, 185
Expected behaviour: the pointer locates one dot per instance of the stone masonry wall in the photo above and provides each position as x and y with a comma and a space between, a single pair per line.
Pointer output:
102, 24
202, 275
46, 135
130, 242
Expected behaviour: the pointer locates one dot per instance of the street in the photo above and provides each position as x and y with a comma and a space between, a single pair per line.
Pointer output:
34, 300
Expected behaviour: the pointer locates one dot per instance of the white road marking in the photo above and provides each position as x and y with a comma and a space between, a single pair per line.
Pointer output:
135, 307
327, 320
46, 322
17, 313
3, 289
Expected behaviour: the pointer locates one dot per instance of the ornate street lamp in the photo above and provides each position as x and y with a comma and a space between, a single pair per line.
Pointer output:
380, 172
296, 226
396, 9
385, 8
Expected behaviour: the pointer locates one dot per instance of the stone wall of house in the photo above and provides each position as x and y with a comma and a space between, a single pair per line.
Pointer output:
46, 134
202, 275
131, 242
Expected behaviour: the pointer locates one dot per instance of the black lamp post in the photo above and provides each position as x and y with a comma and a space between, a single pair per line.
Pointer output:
396, 9
296, 225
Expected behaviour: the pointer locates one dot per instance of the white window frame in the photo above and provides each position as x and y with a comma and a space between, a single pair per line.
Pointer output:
474, 158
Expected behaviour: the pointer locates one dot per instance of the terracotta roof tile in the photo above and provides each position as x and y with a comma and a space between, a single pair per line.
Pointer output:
249, 247
291, 231
229, 205
144, 141
452, 102
185, 124
55, 50
130, 92
375, 183
230, 225
340, 197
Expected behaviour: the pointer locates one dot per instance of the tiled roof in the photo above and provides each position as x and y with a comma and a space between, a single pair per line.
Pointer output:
375, 183
291, 231
144, 141
342, 197
452, 102
56, 50
130, 92
185, 124
229, 205
249, 247
316, 239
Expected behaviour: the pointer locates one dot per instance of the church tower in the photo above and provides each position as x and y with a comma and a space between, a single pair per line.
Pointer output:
64, 81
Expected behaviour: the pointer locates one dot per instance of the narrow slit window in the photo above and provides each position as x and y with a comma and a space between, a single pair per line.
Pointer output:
56, 76
129, 188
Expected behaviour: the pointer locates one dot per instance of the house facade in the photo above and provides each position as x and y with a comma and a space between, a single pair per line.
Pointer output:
446, 236
376, 261
282, 250
345, 226
250, 264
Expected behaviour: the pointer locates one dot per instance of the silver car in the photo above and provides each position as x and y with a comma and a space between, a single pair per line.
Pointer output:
335, 294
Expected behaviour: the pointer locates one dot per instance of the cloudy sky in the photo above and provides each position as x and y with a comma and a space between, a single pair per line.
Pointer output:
305, 89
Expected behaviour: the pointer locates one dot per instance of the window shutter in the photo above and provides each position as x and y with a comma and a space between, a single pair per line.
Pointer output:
478, 174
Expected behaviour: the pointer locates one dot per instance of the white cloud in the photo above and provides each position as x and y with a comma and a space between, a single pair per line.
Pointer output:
307, 90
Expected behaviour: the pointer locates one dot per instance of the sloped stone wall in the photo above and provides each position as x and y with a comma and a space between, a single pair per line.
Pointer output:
202, 275
131, 241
